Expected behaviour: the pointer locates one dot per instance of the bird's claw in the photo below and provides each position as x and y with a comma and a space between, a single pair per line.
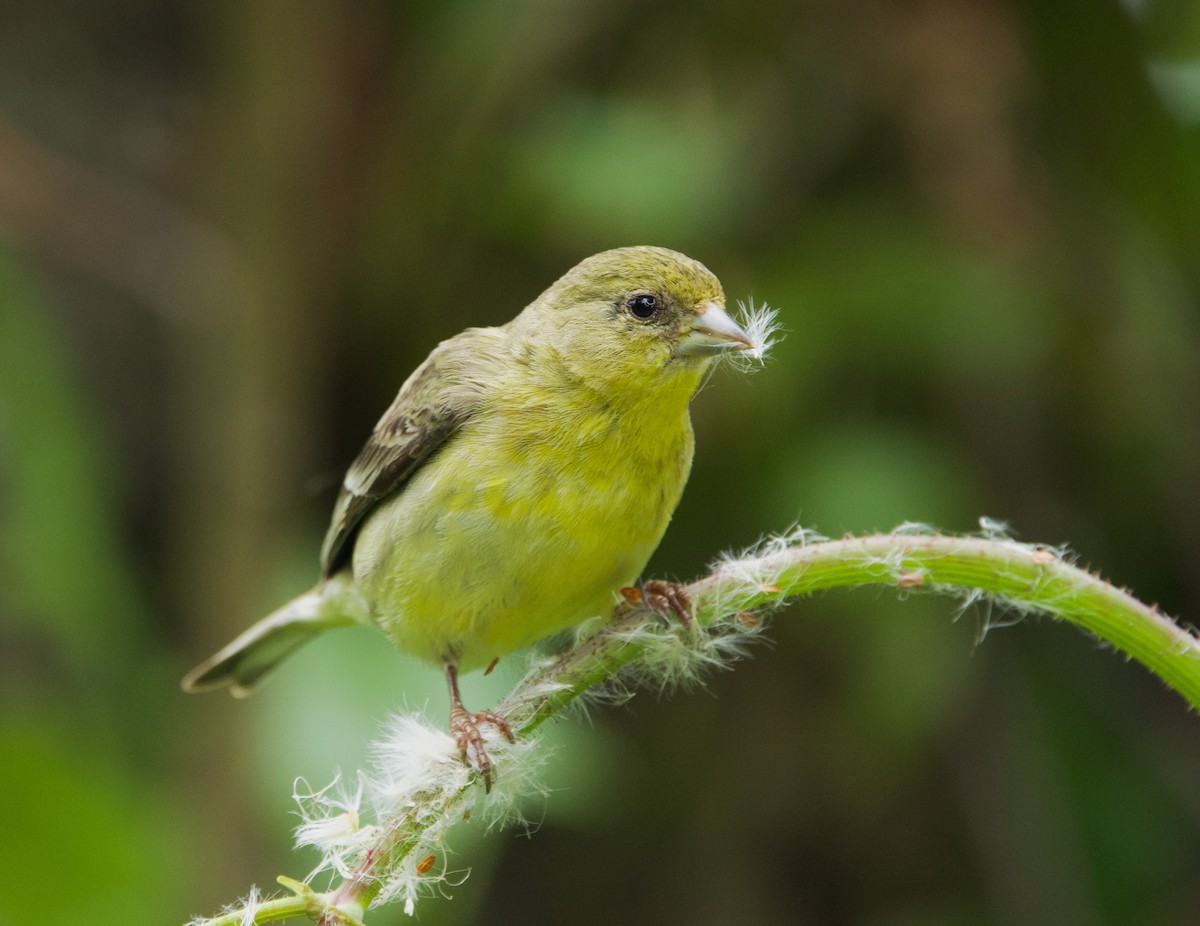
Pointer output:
664, 599
464, 727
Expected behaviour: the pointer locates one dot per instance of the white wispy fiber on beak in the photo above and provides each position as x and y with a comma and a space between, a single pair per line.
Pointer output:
715, 333
761, 327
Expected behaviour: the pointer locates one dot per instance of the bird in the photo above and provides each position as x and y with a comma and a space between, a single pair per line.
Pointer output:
522, 476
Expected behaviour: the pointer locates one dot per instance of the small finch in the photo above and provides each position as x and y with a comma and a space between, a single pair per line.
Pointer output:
522, 476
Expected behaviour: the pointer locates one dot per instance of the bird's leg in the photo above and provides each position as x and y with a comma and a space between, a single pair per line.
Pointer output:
464, 727
664, 599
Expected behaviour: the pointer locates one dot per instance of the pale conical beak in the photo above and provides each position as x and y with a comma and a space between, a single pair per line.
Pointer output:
713, 332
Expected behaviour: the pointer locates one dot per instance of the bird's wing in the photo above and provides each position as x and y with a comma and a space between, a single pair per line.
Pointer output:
442, 394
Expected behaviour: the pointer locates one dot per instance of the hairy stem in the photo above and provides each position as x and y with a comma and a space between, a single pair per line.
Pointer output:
1023, 576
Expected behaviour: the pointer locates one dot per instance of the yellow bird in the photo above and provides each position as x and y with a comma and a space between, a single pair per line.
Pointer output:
521, 477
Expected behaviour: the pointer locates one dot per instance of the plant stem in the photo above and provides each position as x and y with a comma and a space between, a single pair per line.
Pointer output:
1026, 577
1023, 576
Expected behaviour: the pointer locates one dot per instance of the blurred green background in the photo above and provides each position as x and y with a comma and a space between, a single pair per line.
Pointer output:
228, 230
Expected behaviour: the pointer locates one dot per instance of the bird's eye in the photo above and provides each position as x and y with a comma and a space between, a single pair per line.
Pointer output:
643, 306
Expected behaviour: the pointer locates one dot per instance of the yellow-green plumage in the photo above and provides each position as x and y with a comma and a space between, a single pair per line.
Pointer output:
527, 522
521, 477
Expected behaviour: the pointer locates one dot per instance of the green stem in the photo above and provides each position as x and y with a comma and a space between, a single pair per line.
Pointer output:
270, 911
1023, 576
1026, 577
267, 911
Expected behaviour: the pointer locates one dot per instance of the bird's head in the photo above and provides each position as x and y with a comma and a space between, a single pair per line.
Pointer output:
633, 317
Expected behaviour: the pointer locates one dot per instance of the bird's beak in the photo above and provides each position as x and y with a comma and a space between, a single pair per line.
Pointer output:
713, 332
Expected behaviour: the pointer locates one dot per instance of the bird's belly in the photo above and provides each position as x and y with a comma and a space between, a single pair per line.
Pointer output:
488, 551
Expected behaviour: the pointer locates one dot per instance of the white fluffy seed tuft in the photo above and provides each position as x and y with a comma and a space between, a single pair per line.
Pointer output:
677, 656
331, 823
250, 911
750, 572
246, 910
411, 757
412, 781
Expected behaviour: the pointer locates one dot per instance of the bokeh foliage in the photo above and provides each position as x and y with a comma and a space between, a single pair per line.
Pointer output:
229, 230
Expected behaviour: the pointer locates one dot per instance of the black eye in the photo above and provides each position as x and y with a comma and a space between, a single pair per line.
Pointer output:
643, 306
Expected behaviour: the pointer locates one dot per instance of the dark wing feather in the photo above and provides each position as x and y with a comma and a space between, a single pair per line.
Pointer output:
431, 406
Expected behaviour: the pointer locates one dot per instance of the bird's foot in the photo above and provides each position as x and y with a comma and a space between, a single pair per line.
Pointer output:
664, 599
464, 727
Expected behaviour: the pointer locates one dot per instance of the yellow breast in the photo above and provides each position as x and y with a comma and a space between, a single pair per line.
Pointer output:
525, 523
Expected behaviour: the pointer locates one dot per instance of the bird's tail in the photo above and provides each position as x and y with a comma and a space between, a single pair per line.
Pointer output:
257, 650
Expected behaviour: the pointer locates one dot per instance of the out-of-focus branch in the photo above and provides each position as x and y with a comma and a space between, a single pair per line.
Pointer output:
134, 240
